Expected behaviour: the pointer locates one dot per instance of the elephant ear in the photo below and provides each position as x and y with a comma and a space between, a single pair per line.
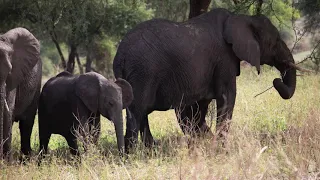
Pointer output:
87, 88
238, 31
25, 55
127, 93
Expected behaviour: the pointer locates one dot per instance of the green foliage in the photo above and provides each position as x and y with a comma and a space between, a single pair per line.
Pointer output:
74, 23
104, 52
122, 17
169, 9
50, 58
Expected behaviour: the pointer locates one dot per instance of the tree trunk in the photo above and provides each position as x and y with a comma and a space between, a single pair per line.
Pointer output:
198, 7
71, 59
56, 43
88, 61
79, 64
235, 2
259, 6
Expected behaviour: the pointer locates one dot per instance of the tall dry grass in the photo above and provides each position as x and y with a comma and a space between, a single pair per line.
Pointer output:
270, 138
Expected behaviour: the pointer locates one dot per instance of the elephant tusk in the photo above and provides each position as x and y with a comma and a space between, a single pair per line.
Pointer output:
299, 68
6, 105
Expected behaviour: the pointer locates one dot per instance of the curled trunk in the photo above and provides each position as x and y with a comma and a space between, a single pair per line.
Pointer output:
287, 85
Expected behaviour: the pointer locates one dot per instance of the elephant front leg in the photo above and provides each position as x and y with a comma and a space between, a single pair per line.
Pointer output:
26, 122
145, 133
192, 118
7, 124
95, 129
225, 105
7, 136
25, 127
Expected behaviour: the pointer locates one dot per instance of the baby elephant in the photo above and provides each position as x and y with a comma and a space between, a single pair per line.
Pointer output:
69, 103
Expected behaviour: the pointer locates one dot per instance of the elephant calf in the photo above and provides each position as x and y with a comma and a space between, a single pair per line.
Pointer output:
68, 103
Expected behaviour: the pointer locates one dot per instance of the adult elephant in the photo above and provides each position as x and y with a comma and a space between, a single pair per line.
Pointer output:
172, 65
20, 83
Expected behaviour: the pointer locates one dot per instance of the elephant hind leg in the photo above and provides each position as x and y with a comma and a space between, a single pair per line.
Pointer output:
44, 141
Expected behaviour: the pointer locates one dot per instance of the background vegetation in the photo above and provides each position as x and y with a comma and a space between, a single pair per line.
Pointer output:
270, 138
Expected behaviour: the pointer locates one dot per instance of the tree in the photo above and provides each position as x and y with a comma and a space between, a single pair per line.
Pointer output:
198, 7
73, 22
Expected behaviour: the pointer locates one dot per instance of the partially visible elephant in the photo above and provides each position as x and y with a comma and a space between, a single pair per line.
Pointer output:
187, 64
20, 83
69, 103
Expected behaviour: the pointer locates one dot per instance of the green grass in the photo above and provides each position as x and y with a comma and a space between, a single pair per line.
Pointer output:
270, 138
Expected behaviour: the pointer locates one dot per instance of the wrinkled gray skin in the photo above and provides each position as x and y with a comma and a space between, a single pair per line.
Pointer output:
186, 65
20, 83
67, 101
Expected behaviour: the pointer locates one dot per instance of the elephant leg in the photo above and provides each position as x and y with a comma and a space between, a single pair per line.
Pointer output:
201, 127
73, 145
192, 118
44, 128
7, 136
26, 123
83, 120
25, 134
133, 121
44, 141
225, 105
145, 132
7, 125
96, 129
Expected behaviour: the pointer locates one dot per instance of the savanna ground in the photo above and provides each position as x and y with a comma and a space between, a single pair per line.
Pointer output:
270, 138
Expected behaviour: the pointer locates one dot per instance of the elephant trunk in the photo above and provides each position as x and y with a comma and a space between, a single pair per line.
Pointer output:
287, 85
118, 123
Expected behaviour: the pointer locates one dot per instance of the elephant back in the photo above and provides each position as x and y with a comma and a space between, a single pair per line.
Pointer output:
57, 89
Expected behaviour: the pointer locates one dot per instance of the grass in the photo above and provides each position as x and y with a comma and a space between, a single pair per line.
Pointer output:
270, 138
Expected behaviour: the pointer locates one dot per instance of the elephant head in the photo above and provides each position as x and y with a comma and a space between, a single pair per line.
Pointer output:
19, 53
256, 40
106, 97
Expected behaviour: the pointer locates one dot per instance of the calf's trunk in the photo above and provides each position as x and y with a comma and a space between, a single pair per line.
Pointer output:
118, 124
